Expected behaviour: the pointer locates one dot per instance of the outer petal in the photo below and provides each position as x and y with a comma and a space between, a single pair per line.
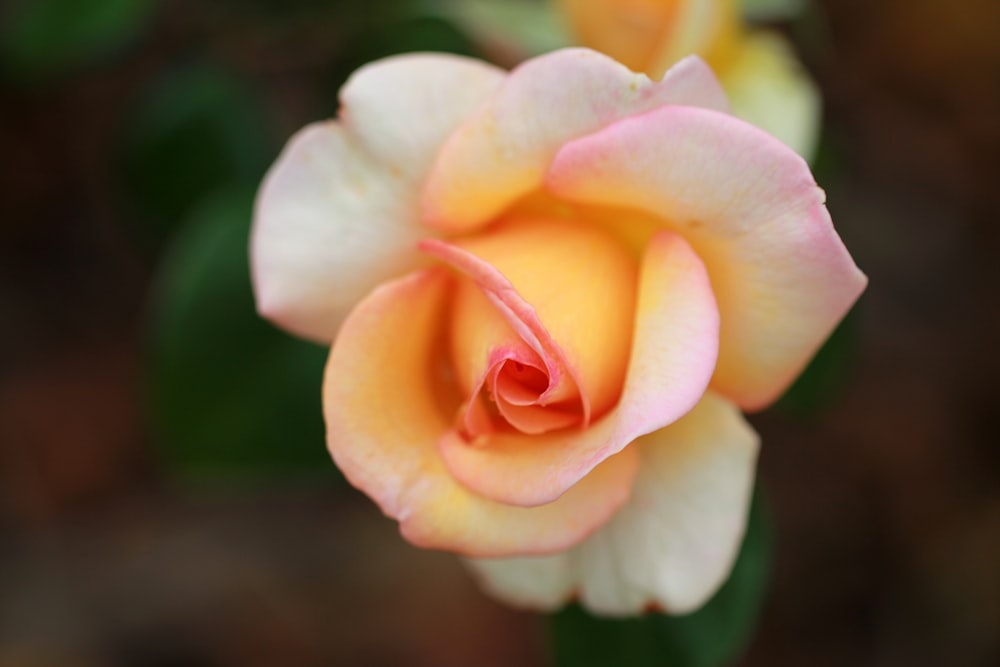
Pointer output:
769, 88
502, 151
385, 410
672, 545
750, 208
673, 355
338, 212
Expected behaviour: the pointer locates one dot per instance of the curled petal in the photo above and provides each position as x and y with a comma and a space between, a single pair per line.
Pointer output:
480, 304
501, 152
387, 404
338, 212
673, 354
575, 279
672, 545
750, 208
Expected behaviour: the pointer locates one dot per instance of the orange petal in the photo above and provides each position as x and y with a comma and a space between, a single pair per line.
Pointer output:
385, 412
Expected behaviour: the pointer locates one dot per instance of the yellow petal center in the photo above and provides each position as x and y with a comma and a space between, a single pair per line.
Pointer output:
580, 281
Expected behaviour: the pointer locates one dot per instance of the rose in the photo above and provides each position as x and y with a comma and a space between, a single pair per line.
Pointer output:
549, 293
758, 68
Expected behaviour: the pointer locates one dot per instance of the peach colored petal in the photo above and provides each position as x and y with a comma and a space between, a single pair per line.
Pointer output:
750, 208
386, 405
579, 280
501, 152
338, 212
673, 354
672, 545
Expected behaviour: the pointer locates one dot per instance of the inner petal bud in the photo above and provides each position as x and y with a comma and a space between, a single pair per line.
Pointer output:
581, 283
541, 323
520, 394
510, 385
520, 384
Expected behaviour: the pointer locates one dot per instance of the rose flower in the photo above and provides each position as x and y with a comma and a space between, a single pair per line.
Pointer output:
550, 293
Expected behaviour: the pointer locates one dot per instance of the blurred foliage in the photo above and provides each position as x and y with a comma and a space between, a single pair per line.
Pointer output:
523, 27
403, 33
232, 396
194, 129
827, 374
713, 636
40, 38
771, 10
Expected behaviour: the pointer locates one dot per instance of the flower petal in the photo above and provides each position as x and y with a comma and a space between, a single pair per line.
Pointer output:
769, 88
750, 208
630, 32
502, 151
338, 212
672, 545
402, 109
386, 407
673, 354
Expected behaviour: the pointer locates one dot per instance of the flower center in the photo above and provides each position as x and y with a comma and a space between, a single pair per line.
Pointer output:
541, 323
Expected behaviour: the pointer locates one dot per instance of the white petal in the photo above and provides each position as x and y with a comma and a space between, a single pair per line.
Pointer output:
533, 582
338, 213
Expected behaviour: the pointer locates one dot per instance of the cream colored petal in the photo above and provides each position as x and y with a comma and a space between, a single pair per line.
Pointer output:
672, 545
338, 212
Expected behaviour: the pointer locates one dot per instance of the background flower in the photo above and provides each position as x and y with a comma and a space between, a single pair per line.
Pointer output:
766, 84
758, 66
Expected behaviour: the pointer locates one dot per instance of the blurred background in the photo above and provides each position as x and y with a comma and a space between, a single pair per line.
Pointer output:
165, 493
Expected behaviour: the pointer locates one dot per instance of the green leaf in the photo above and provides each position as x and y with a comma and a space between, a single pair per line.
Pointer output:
193, 130
713, 636
230, 394
41, 37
